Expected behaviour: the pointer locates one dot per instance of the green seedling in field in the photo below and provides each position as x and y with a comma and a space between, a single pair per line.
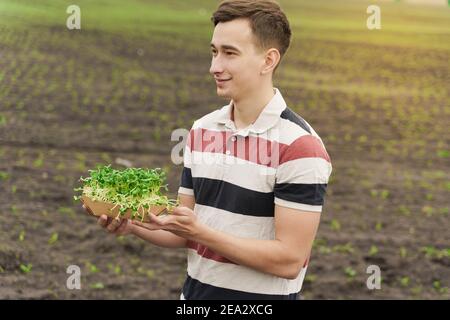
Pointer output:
39, 161
116, 269
147, 272
443, 153
324, 249
350, 272
379, 226
132, 188
66, 211
438, 287
403, 252
92, 267
404, 210
22, 235
335, 225
444, 211
435, 253
4, 175
97, 285
373, 250
384, 194
2, 120
26, 268
53, 238
405, 281
310, 278
344, 248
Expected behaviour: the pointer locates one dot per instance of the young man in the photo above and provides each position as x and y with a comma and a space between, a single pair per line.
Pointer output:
254, 176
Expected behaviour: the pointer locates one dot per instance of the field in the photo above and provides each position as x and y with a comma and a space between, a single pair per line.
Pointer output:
117, 88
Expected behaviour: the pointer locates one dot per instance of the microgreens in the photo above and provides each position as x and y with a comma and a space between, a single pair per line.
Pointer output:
132, 188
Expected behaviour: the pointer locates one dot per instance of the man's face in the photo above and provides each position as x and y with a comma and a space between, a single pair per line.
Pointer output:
236, 60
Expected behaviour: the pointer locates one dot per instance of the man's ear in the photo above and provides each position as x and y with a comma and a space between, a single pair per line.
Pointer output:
272, 59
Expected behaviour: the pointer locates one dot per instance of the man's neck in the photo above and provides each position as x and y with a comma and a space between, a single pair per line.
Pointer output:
248, 109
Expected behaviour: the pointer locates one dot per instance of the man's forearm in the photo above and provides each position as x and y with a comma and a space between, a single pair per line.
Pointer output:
269, 256
159, 238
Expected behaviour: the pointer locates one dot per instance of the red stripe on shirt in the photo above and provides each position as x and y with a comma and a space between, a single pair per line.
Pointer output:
306, 146
255, 149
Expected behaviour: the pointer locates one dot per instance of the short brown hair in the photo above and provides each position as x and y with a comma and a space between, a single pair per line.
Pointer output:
268, 22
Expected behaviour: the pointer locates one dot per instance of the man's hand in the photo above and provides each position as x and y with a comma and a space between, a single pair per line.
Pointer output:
182, 222
118, 227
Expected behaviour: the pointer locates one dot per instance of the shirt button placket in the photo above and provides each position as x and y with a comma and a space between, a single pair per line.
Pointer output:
230, 145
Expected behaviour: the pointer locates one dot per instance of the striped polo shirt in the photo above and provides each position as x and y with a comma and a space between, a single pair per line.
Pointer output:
236, 177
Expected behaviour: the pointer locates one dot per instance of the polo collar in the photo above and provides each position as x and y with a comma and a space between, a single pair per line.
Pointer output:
267, 119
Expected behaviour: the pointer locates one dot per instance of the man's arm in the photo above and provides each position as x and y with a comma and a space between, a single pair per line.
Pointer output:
284, 256
164, 238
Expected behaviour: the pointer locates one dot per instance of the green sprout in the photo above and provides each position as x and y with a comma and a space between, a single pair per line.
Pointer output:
131, 188
350, 272
97, 285
26, 268
53, 238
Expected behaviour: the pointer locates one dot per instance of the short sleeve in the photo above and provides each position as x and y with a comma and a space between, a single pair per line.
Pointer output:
302, 174
186, 184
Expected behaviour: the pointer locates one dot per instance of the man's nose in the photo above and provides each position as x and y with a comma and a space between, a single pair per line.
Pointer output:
216, 66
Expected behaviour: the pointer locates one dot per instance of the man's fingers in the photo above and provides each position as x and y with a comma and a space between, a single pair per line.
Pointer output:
115, 223
103, 220
158, 220
122, 226
148, 226
177, 211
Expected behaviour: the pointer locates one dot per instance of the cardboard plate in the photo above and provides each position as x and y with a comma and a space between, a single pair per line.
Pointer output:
98, 208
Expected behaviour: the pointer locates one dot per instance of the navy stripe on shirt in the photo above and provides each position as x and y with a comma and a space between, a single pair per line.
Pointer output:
230, 197
196, 290
290, 115
186, 178
312, 194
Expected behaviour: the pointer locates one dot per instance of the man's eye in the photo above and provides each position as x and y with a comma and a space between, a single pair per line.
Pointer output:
229, 53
